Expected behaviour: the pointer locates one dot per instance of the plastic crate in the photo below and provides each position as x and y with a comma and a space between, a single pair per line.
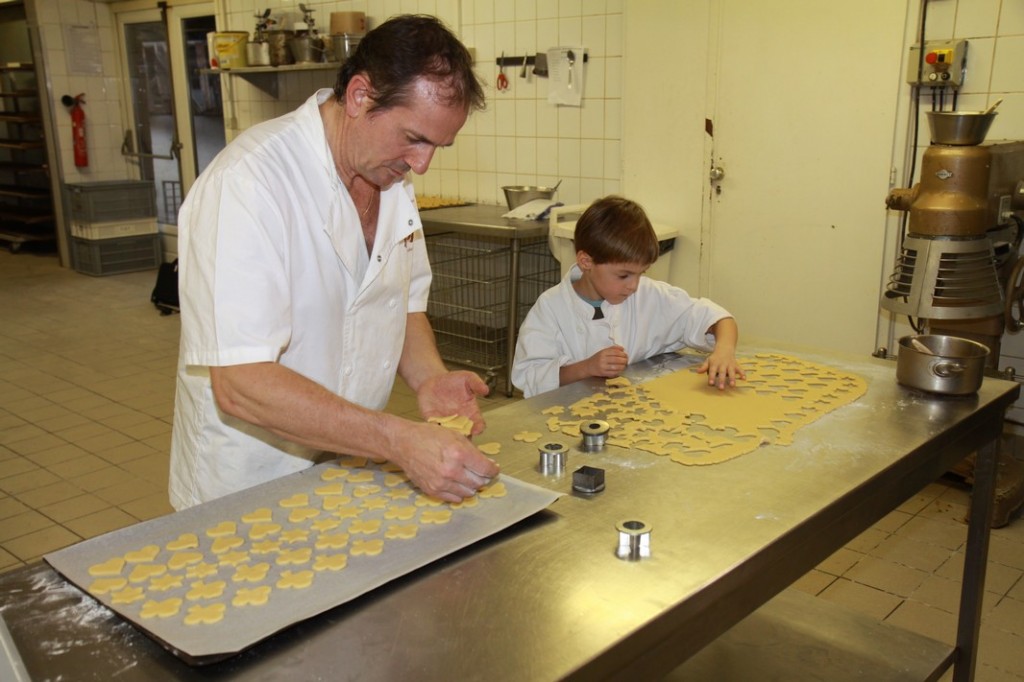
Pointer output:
112, 200
112, 230
117, 255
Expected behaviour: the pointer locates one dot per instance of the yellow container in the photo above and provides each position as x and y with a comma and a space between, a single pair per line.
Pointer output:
229, 49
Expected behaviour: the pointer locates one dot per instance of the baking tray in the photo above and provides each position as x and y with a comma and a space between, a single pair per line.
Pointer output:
244, 626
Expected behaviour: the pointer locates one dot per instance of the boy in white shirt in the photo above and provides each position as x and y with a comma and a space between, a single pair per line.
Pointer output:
605, 313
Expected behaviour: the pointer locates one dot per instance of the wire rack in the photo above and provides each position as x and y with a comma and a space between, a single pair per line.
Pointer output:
469, 297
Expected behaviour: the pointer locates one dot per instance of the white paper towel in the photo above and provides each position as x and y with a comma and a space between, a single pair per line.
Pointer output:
565, 76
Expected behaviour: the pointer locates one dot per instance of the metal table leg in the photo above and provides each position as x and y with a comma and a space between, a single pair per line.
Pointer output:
512, 330
975, 561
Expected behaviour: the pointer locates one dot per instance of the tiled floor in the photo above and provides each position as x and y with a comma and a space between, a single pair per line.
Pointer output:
86, 397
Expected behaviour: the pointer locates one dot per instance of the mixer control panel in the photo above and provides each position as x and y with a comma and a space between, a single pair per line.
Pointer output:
942, 64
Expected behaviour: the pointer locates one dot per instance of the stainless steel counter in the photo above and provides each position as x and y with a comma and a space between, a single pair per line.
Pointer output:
482, 220
549, 599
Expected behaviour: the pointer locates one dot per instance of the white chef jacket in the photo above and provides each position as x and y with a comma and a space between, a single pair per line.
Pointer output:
560, 329
274, 267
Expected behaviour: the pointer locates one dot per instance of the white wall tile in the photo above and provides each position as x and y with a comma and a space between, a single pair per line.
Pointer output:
505, 154
592, 159
979, 65
526, 118
1007, 71
526, 156
1011, 18
976, 18
526, 10
941, 20
568, 158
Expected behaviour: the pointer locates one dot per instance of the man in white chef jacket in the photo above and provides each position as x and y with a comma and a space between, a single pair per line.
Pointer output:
304, 281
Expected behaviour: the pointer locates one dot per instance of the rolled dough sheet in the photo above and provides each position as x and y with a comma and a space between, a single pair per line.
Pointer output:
345, 538
679, 416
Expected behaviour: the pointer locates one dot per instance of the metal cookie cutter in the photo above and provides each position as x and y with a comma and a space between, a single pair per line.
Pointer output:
595, 433
634, 540
552, 458
588, 480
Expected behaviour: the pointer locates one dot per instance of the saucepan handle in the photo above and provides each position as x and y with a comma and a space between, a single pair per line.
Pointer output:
947, 369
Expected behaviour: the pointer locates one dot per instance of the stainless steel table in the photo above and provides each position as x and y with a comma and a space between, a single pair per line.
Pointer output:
549, 599
486, 221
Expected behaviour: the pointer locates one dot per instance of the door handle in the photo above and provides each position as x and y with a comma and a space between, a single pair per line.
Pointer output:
717, 173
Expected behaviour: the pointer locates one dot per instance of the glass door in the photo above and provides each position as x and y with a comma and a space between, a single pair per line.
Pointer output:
174, 109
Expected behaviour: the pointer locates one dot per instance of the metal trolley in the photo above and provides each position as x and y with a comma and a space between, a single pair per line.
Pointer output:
483, 287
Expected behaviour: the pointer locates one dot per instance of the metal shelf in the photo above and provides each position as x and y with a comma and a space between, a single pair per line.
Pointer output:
265, 77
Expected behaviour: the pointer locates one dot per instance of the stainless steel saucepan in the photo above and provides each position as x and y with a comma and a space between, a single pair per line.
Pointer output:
948, 365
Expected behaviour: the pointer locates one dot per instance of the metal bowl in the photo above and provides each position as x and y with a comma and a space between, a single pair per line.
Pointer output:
517, 195
959, 127
941, 364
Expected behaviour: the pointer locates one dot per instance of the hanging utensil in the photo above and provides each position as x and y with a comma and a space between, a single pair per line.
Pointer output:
502, 81
571, 56
522, 74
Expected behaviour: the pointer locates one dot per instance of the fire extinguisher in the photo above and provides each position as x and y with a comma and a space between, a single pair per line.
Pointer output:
74, 104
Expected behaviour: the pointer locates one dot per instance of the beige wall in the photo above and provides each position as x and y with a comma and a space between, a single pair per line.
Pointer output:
639, 94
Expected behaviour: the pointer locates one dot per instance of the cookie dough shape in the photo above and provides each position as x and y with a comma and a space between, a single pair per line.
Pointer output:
295, 580
251, 573
400, 513
330, 489
333, 474
105, 585
367, 547
222, 529
180, 560
224, 544
456, 422
110, 567
203, 590
161, 608
201, 570
302, 514
364, 527
261, 515
184, 541
330, 562
435, 516
494, 490
141, 556
144, 572
402, 531
296, 500
677, 415
128, 595
165, 582
251, 596
262, 530
295, 556
527, 436
332, 541
199, 614
491, 449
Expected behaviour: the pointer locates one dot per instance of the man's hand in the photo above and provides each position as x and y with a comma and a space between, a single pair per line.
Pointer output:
442, 463
453, 393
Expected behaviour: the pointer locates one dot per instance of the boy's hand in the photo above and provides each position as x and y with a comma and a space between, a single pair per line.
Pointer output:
608, 362
722, 369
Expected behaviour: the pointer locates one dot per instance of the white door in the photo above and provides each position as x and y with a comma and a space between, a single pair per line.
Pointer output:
174, 110
793, 232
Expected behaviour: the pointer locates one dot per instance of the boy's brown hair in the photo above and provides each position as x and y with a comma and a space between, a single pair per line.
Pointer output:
616, 230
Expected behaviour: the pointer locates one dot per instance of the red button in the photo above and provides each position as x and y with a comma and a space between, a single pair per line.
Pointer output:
931, 58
